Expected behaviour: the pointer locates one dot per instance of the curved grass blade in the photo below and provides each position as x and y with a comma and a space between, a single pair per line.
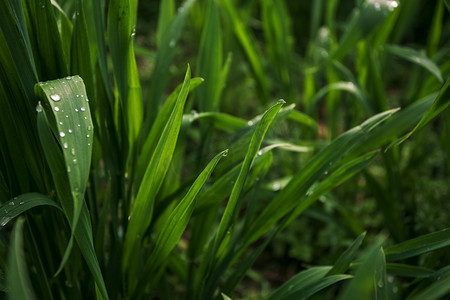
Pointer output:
417, 58
177, 221
299, 282
141, 215
56, 154
417, 246
222, 121
67, 103
18, 280
321, 284
21, 204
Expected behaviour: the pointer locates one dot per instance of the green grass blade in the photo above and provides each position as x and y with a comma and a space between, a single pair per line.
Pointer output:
18, 281
178, 220
165, 16
441, 103
141, 214
46, 41
404, 270
247, 44
119, 34
253, 149
80, 54
347, 257
312, 289
166, 52
20, 204
434, 287
419, 245
209, 63
222, 121
364, 21
65, 100
158, 127
299, 282
416, 57
362, 286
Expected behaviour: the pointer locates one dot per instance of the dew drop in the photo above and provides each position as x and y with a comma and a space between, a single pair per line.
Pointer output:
67, 116
260, 152
60, 123
39, 108
78, 95
62, 134
79, 125
72, 151
133, 32
76, 109
65, 145
11, 203
281, 101
68, 169
87, 135
89, 144
380, 283
5, 221
225, 153
68, 77
21, 202
85, 118
70, 130
276, 186
74, 160
89, 127
172, 43
83, 108
55, 97
56, 108
250, 123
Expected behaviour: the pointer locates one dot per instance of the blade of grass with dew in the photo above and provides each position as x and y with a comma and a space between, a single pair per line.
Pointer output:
70, 185
416, 57
247, 43
66, 101
22, 203
380, 277
363, 22
18, 280
166, 52
176, 224
210, 59
141, 214
287, 199
46, 41
419, 245
158, 127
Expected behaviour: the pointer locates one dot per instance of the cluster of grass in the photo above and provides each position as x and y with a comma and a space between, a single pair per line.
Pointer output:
126, 173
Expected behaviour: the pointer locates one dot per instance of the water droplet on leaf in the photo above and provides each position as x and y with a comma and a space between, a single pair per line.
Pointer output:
55, 97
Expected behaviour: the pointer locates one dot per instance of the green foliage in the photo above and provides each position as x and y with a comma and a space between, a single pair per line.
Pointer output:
340, 193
